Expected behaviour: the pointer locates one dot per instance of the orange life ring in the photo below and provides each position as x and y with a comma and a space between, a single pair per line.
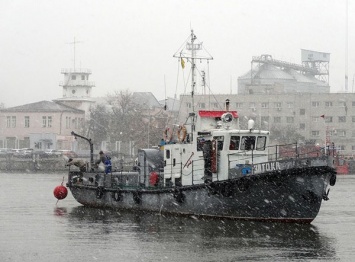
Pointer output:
181, 133
167, 134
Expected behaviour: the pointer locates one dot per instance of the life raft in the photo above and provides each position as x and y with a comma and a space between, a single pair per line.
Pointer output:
181, 133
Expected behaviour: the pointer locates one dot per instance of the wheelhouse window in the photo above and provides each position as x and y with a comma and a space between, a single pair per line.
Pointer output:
261, 143
247, 143
234, 143
219, 140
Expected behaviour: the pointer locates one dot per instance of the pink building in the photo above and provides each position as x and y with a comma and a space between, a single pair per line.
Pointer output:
41, 125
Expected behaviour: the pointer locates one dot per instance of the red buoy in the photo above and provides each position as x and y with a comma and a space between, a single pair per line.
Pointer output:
60, 192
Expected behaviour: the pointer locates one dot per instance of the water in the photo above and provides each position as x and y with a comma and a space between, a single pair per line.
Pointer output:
34, 228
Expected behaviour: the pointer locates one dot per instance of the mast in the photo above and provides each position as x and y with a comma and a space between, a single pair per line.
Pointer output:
192, 47
193, 82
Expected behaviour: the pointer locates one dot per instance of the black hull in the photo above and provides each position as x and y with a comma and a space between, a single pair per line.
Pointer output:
293, 195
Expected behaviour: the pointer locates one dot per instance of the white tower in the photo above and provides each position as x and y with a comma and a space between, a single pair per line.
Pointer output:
76, 83
77, 89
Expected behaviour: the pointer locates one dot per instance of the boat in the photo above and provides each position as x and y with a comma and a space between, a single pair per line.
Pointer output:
213, 169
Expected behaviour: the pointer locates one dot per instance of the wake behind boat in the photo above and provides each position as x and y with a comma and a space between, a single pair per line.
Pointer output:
213, 169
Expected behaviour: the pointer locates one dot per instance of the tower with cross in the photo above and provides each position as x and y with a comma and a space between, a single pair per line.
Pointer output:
77, 87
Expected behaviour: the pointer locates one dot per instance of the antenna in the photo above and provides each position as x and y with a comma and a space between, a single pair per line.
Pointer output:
165, 106
74, 43
346, 48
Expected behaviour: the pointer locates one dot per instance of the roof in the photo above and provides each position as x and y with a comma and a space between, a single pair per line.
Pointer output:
146, 98
266, 71
271, 72
43, 106
172, 104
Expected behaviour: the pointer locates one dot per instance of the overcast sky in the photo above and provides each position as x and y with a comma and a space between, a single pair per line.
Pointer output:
130, 44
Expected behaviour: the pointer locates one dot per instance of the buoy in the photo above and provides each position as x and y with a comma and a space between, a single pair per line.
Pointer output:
60, 192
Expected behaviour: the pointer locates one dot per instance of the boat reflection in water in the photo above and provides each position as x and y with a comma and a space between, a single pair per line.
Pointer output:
190, 238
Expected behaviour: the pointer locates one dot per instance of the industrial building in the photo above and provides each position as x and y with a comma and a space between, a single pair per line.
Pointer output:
279, 94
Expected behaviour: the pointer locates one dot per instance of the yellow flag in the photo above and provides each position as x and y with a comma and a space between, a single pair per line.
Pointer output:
182, 63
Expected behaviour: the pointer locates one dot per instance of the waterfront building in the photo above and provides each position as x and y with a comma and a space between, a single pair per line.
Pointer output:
41, 125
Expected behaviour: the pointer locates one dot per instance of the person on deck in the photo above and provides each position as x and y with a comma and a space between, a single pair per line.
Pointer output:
102, 159
79, 163
108, 165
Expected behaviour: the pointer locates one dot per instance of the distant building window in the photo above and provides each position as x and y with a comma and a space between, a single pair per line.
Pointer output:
82, 77
67, 122
238, 105
13, 121
265, 105
315, 118
332, 132
328, 119
315, 104
353, 118
27, 121
278, 104
353, 148
277, 119
73, 91
251, 105
201, 105
302, 111
49, 124
341, 147
264, 119
75, 122
341, 133
290, 119
215, 105
188, 105
73, 77
342, 119
44, 121
289, 104
8, 121
302, 126
315, 133
328, 104
342, 104
353, 103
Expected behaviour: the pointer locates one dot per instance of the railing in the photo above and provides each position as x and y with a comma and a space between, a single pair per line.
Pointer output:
76, 70
77, 83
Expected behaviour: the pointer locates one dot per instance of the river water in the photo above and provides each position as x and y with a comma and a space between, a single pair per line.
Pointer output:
34, 228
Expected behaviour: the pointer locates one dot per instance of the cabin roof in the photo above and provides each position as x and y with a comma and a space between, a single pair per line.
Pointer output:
216, 113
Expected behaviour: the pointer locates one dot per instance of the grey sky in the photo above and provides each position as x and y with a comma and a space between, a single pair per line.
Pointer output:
130, 44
